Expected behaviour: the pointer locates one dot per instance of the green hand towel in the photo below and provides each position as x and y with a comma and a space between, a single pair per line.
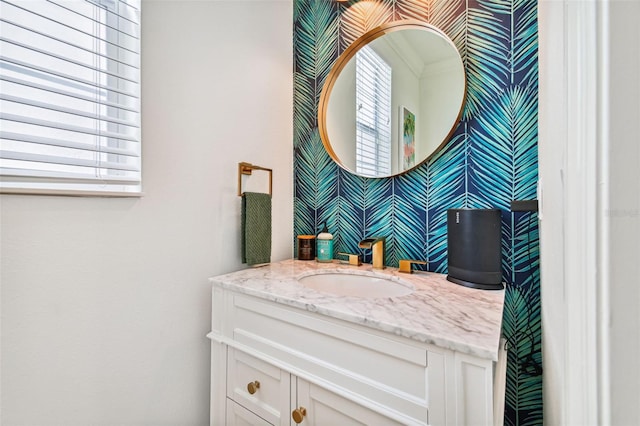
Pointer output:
256, 228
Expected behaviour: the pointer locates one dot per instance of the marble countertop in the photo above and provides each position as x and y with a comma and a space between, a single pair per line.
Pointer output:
438, 312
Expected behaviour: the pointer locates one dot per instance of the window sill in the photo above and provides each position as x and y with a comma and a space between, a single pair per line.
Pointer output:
71, 193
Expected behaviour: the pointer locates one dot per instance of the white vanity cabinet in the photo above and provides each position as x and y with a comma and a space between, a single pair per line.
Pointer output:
270, 358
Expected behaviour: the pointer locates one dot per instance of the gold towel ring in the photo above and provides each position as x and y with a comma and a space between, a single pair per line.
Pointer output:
246, 169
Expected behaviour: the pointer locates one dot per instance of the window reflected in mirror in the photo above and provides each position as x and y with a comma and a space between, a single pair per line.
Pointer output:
373, 114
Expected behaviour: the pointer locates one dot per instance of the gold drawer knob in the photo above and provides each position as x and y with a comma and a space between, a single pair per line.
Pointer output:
253, 387
298, 414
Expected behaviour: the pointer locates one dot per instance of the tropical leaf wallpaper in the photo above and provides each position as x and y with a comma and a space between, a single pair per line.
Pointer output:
490, 160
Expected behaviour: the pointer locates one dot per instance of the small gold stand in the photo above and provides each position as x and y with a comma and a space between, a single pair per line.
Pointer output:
354, 259
405, 265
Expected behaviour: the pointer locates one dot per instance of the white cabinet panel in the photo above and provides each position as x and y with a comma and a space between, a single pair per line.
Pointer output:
474, 390
324, 408
437, 386
237, 415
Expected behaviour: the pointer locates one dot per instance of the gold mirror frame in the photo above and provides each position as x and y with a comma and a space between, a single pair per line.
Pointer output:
344, 59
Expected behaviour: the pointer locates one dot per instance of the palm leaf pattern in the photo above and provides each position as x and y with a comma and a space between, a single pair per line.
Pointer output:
360, 17
502, 162
314, 185
446, 189
522, 326
487, 59
439, 12
351, 208
304, 112
319, 181
525, 44
315, 39
379, 210
410, 225
490, 160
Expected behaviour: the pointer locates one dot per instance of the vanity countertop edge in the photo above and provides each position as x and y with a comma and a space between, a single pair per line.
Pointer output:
438, 312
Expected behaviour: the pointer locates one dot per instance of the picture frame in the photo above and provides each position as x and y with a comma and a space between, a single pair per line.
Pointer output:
407, 139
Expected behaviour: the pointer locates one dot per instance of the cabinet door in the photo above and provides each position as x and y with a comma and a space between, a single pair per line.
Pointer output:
258, 386
324, 408
237, 415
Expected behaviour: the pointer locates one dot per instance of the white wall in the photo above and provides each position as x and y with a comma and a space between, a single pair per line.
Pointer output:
443, 81
552, 130
622, 213
105, 302
590, 218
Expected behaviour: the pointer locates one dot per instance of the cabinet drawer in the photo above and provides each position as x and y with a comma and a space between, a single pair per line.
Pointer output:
376, 368
269, 384
237, 415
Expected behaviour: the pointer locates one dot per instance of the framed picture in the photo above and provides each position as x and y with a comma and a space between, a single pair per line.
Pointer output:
407, 140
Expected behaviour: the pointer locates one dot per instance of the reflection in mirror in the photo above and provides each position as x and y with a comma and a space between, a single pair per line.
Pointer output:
393, 97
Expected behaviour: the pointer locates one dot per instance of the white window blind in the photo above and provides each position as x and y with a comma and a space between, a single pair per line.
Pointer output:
373, 114
70, 96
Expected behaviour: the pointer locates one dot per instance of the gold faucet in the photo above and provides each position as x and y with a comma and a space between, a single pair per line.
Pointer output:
376, 244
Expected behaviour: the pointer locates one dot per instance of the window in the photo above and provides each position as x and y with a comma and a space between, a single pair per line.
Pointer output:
373, 114
70, 97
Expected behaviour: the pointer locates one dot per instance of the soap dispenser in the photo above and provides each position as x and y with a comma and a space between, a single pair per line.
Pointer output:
324, 245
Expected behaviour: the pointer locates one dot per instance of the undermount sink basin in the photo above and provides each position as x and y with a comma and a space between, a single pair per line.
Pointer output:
360, 285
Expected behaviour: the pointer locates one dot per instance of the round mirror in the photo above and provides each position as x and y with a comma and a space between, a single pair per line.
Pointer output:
392, 99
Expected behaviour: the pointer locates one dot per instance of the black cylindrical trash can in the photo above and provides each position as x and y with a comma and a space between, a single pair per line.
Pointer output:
473, 248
